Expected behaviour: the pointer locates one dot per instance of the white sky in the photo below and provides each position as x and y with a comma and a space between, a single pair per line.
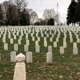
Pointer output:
40, 5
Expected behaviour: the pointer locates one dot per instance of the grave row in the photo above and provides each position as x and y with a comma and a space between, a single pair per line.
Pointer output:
29, 34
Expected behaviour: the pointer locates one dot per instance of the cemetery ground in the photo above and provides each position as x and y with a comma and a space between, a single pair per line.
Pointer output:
64, 66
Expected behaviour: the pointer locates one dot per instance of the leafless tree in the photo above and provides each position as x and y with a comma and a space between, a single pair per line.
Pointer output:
21, 5
10, 13
1, 12
51, 14
13, 15
5, 8
33, 17
48, 13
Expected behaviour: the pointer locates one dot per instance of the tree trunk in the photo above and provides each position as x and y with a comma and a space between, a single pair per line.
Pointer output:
19, 18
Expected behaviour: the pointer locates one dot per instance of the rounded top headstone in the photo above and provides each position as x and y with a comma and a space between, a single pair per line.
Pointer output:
13, 52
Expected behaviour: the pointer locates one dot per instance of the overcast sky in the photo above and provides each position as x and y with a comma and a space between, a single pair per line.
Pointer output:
40, 5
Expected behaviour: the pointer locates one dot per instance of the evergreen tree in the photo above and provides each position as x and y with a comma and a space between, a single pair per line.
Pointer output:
71, 12
50, 22
78, 12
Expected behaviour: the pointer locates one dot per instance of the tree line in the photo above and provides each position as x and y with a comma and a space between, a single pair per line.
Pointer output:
16, 13
73, 13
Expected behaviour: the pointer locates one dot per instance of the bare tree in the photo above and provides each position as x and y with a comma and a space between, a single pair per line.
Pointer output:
51, 14
10, 13
48, 13
5, 8
1, 15
21, 5
13, 15
33, 17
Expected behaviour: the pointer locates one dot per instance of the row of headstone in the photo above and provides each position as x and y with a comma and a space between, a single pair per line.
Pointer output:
46, 34
37, 47
45, 39
29, 57
16, 47
75, 49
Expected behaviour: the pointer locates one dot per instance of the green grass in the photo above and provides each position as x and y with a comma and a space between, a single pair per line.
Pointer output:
64, 67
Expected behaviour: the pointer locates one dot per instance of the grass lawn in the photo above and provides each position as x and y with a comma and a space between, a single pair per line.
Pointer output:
64, 67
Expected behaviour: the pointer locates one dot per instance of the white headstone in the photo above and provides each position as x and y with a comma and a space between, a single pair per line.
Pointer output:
45, 43
27, 42
19, 41
5, 46
4, 40
20, 37
52, 35
74, 45
50, 49
15, 47
61, 50
71, 40
25, 47
0, 35
78, 40
49, 57
38, 39
55, 44
47, 35
50, 39
26, 36
37, 49
33, 38
64, 39
75, 51
57, 39
36, 43
65, 44
29, 57
11, 41
14, 36
9, 35
0, 56
44, 38
13, 56
42, 35
31, 34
